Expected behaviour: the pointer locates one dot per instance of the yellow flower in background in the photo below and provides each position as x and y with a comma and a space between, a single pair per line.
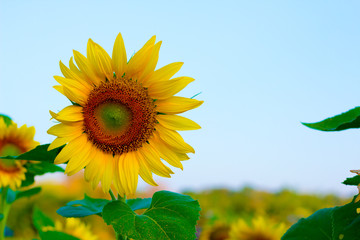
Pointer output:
259, 229
73, 227
14, 141
123, 120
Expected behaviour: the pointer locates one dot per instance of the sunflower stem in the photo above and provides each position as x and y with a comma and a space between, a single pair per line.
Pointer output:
4, 210
112, 195
118, 235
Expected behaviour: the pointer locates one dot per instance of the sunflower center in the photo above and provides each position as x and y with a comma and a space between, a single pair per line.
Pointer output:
119, 116
113, 118
10, 149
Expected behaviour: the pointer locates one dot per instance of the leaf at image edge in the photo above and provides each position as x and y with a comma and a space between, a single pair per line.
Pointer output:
346, 120
354, 181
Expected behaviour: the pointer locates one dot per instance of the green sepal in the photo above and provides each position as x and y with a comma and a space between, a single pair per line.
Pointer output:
40, 153
327, 224
27, 193
347, 120
40, 220
354, 181
82, 208
6, 119
170, 216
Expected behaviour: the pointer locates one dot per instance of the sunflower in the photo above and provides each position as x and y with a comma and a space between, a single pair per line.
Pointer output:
14, 141
73, 227
259, 229
123, 118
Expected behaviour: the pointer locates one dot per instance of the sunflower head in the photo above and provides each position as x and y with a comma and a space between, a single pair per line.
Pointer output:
14, 141
258, 229
123, 119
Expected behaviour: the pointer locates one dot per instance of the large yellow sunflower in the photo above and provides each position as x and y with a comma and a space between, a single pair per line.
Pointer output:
14, 141
123, 119
259, 229
73, 227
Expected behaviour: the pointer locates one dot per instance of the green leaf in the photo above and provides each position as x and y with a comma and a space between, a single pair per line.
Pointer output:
1, 216
28, 193
170, 216
6, 118
138, 203
54, 235
40, 168
82, 208
40, 153
29, 179
352, 181
41, 220
349, 119
328, 224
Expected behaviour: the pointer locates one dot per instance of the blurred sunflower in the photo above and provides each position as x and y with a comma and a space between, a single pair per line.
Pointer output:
14, 141
123, 119
73, 227
259, 229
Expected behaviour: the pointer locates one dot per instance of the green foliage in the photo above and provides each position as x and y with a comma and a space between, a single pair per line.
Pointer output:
138, 203
354, 181
40, 220
54, 235
40, 153
27, 193
6, 118
347, 120
1, 216
328, 224
170, 216
10, 196
82, 208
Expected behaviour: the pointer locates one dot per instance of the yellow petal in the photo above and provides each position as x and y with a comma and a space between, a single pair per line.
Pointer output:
164, 73
131, 170
139, 61
144, 170
59, 88
68, 73
175, 105
70, 113
152, 159
71, 149
66, 130
118, 185
76, 71
80, 160
121, 169
75, 95
173, 139
119, 58
86, 68
150, 67
94, 171
168, 88
175, 122
108, 173
166, 153
72, 83
99, 59
60, 141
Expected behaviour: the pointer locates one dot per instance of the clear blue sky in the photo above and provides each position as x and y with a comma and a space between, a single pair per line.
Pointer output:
262, 67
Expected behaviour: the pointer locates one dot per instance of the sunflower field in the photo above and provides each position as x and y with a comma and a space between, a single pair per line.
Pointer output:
179, 120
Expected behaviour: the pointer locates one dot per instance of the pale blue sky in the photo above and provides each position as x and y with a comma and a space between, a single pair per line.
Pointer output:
262, 67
